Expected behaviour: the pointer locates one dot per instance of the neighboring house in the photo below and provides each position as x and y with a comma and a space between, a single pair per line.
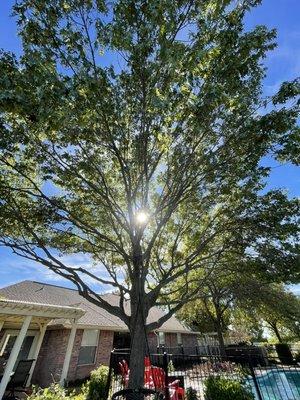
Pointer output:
67, 335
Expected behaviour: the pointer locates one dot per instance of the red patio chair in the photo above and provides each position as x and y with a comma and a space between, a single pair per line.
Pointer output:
148, 378
147, 362
126, 368
176, 392
124, 372
154, 378
180, 393
158, 377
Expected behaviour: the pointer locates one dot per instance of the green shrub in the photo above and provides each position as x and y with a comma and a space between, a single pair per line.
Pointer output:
218, 388
191, 394
57, 392
284, 353
171, 367
297, 357
80, 396
53, 392
94, 389
96, 386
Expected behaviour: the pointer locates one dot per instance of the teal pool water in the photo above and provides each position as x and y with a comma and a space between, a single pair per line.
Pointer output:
279, 385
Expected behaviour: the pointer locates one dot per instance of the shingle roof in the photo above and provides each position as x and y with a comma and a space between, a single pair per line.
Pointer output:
38, 292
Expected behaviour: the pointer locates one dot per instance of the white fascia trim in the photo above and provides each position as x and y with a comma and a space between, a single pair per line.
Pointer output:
99, 327
178, 331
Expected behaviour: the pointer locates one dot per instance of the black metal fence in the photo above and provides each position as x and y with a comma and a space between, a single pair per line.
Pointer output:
266, 379
197, 350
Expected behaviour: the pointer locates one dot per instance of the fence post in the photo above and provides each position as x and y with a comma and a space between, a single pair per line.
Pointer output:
108, 383
165, 367
255, 380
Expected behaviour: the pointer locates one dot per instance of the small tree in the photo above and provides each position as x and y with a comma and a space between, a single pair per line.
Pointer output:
122, 162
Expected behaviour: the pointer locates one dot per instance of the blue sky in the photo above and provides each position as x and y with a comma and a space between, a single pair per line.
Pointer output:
283, 64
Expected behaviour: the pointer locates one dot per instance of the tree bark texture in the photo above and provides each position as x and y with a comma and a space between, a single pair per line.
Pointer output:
138, 336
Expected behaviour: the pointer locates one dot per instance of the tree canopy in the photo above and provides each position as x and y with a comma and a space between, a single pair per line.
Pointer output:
277, 309
128, 161
237, 307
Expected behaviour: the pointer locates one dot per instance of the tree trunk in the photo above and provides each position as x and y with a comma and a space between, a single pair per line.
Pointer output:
218, 319
220, 338
137, 326
137, 355
276, 331
219, 328
138, 340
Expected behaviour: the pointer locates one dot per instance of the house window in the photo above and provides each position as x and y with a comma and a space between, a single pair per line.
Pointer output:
27, 348
179, 339
161, 338
87, 352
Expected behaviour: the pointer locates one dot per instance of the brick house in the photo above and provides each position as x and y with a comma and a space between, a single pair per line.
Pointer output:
66, 335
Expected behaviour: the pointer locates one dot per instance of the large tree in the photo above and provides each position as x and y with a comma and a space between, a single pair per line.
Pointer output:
276, 308
230, 302
211, 311
238, 294
123, 161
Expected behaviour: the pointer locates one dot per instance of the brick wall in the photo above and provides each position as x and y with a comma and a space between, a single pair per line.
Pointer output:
51, 357
153, 342
105, 346
52, 354
171, 340
1, 334
189, 340
74, 357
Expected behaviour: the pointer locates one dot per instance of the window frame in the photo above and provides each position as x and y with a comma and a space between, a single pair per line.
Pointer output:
161, 335
15, 332
96, 347
179, 339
